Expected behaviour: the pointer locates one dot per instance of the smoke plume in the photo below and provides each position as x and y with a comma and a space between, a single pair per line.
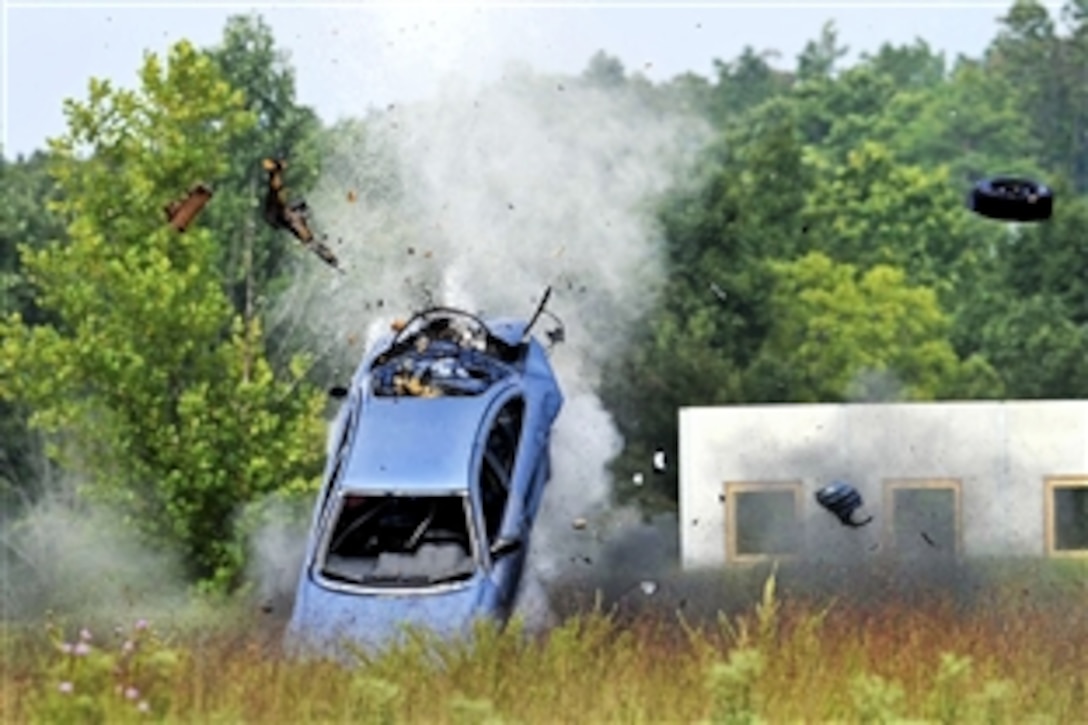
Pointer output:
483, 198
81, 561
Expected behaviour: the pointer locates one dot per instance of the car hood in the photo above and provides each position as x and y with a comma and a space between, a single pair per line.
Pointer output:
334, 623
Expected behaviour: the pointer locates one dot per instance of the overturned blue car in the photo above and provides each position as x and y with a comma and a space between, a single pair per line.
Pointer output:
437, 464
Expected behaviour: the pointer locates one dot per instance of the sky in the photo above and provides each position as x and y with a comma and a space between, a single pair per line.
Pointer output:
352, 56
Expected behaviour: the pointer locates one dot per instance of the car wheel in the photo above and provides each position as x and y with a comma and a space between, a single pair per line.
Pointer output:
1011, 199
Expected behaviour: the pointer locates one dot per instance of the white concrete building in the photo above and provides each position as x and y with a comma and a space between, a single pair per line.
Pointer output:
964, 479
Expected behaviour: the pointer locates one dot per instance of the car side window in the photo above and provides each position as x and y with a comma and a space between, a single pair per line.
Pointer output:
497, 470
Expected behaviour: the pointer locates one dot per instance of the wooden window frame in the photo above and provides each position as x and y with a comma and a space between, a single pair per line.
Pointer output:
891, 485
739, 487
1050, 484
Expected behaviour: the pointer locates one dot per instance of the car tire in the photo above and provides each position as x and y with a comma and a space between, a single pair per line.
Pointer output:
1007, 198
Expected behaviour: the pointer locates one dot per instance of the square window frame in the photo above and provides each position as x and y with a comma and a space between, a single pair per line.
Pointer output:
731, 489
1049, 531
891, 485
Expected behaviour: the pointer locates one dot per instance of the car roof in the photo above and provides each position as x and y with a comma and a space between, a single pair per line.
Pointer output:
411, 444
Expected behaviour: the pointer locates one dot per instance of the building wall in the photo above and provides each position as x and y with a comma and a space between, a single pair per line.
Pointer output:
994, 457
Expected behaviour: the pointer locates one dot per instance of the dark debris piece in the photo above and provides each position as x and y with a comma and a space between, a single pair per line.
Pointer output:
292, 217
843, 500
180, 213
659, 461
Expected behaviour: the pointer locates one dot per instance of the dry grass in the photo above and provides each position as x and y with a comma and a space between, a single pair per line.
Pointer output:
1011, 651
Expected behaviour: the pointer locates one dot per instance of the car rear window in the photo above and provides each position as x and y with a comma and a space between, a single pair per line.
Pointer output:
392, 541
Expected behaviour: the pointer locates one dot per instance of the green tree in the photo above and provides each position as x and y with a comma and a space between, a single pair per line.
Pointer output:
839, 333
1036, 348
159, 391
973, 123
911, 67
874, 210
744, 84
25, 189
819, 59
255, 257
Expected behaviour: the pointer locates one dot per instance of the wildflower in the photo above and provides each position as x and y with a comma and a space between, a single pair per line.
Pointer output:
85, 635
128, 646
141, 624
66, 648
143, 706
81, 649
132, 693
65, 687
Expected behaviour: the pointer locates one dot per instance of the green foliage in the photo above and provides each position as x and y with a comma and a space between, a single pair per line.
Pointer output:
949, 690
910, 67
973, 124
125, 680
25, 219
820, 57
253, 257
173, 407
877, 699
842, 334
732, 683
744, 84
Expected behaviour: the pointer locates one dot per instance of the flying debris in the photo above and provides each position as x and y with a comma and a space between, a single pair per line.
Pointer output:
843, 500
292, 217
180, 213
1011, 199
659, 461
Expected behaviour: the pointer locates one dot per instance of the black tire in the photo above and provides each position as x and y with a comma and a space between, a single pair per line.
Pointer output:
1007, 198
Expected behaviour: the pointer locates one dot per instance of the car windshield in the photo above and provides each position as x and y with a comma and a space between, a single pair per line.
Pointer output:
396, 540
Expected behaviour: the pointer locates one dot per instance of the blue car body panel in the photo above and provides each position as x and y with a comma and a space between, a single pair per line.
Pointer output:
432, 451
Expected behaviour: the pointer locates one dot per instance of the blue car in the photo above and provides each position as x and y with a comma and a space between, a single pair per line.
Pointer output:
437, 464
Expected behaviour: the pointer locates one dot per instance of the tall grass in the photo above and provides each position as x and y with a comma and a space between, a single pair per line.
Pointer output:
1011, 656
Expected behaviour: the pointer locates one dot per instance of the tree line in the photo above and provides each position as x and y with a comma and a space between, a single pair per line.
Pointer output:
820, 253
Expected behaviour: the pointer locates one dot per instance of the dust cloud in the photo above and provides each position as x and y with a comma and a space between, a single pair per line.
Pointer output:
83, 562
481, 198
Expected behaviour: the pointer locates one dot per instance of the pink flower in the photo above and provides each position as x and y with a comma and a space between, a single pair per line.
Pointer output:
85, 634
65, 687
141, 624
81, 649
132, 693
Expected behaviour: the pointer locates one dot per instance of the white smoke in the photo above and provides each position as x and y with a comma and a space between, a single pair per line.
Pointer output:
481, 198
84, 561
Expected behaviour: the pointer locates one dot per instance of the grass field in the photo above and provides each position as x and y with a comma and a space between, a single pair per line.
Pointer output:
1003, 645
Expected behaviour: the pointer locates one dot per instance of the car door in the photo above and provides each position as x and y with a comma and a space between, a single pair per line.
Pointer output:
539, 453
502, 499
